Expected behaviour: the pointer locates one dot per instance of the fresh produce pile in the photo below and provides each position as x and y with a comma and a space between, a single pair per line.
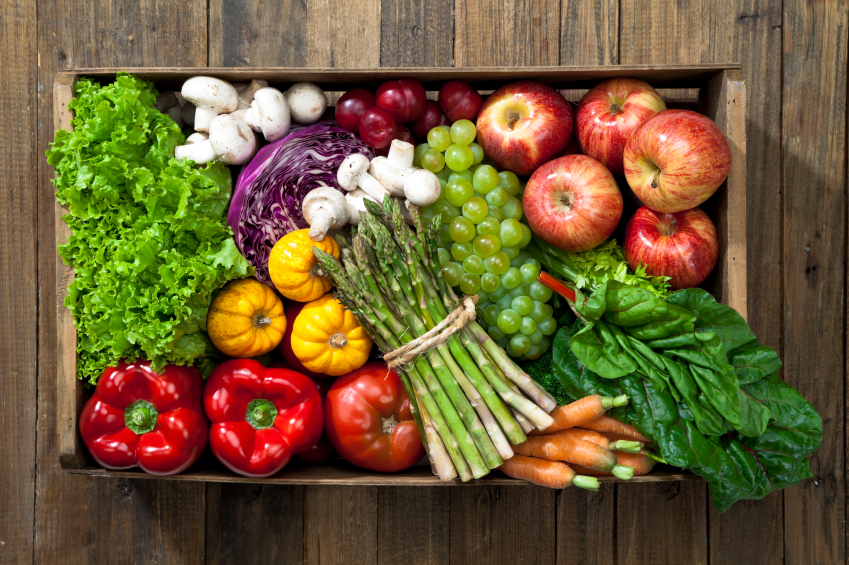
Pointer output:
210, 320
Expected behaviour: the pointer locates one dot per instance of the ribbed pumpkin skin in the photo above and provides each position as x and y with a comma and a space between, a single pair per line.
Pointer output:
232, 322
313, 329
291, 266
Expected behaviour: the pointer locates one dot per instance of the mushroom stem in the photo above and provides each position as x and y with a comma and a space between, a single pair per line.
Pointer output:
401, 154
199, 151
246, 96
321, 222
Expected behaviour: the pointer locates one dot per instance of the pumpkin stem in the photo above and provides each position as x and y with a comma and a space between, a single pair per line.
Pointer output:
388, 424
338, 340
260, 320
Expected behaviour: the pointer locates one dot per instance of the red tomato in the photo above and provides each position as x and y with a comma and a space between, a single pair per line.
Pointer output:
368, 420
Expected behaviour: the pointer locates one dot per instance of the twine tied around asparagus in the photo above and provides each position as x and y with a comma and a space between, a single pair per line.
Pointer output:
453, 323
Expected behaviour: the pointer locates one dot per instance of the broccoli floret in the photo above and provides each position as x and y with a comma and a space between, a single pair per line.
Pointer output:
541, 371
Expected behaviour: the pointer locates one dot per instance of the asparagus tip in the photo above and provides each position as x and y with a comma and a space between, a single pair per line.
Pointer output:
623, 472
585, 482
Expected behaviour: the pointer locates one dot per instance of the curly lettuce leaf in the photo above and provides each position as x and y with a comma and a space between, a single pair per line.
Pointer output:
149, 240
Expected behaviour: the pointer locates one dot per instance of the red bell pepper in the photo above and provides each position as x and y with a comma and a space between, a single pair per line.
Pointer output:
368, 420
139, 418
260, 417
322, 451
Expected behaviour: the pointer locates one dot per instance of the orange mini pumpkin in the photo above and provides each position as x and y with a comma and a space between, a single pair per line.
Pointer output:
292, 264
246, 319
327, 339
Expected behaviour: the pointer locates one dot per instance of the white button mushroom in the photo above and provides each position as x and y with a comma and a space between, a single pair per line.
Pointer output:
211, 96
356, 199
353, 174
324, 208
197, 148
392, 171
166, 100
269, 114
176, 114
246, 95
307, 102
189, 114
422, 188
230, 139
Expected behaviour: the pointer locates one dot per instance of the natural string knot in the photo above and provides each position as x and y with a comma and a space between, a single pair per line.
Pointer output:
440, 333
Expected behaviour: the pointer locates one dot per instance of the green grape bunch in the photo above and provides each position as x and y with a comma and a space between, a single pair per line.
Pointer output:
482, 238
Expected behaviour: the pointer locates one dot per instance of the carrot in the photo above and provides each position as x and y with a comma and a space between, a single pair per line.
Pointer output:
641, 462
603, 441
582, 411
565, 447
544, 473
607, 424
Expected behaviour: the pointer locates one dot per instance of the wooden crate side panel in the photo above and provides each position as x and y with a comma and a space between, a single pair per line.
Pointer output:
724, 101
70, 391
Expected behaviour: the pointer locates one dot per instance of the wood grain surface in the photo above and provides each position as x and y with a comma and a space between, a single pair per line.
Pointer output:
794, 62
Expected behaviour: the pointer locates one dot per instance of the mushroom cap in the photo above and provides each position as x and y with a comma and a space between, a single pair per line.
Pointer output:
422, 188
196, 137
350, 171
232, 139
211, 93
272, 113
329, 199
307, 102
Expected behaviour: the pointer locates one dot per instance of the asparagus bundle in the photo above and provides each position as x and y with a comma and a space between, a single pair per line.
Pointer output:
470, 400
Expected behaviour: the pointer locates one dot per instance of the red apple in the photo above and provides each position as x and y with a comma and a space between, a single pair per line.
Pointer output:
459, 101
682, 246
378, 127
431, 118
573, 203
675, 160
523, 125
609, 113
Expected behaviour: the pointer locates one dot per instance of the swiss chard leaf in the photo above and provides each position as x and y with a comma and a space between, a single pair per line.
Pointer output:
730, 326
596, 346
754, 363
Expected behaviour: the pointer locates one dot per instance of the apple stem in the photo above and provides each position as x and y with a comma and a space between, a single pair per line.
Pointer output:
654, 178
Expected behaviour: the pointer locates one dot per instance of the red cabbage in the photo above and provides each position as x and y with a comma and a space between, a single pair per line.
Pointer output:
267, 199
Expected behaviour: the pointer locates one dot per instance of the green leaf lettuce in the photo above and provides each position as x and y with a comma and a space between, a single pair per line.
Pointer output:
149, 240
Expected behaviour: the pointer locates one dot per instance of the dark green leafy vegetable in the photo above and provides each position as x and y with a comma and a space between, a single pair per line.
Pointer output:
149, 241
541, 370
691, 416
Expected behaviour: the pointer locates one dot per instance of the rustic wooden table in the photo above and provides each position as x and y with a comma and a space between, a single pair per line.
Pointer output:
794, 58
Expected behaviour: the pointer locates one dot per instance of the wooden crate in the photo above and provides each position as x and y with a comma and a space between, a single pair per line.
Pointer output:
716, 90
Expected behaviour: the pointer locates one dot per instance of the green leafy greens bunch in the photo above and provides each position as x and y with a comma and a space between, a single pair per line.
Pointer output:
149, 240
701, 386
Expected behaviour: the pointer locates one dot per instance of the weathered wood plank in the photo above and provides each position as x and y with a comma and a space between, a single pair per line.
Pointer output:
589, 32
80, 519
507, 32
661, 524
495, 525
417, 33
18, 284
813, 178
340, 525
753, 532
248, 33
412, 526
343, 34
248, 521
586, 526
